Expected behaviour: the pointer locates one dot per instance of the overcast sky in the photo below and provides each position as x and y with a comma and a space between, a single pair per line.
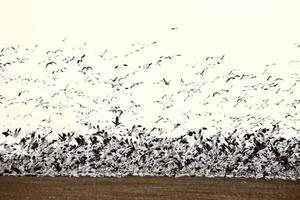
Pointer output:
252, 31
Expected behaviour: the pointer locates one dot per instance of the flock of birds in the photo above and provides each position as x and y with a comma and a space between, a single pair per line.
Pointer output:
138, 153
145, 112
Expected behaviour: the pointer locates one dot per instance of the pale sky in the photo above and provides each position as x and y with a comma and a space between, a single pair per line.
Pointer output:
252, 31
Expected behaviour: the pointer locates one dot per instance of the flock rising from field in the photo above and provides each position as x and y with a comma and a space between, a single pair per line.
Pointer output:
145, 111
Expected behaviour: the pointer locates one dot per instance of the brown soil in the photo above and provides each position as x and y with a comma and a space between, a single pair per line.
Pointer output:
12, 188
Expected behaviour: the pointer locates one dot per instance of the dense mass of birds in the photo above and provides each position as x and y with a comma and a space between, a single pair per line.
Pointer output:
158, 114
257, 155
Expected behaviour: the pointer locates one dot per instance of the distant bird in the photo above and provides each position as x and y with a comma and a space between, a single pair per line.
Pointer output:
103, 53
81, 59
176, 125
158, 62
117, 121
297, 45
117, 84
216, 93
86, 68
58, 50
135, 84
22, 92
227, 89
23, 141
166, 82
71, 59
202, 71
278, 79
208, 58
7, 63
114, 79
222, 57
160, 118
5, 133
123, 77
232, 78
35, 145
7, 48
269, 78
50, 63
239, 100
80, 140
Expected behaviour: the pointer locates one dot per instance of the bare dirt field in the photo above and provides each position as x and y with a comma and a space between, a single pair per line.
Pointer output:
12, 188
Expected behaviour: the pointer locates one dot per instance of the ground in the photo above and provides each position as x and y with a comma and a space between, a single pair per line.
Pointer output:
13, 188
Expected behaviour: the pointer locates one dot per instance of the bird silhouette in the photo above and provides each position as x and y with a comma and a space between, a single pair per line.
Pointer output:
103, 53
216, 94
116, 122
50, 63
166, 82
81, 59
86, 68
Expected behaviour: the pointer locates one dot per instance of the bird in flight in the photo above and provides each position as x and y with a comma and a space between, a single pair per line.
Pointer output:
166, 82
103, 53
117, 121
214, 94
50, 63
85, 69
81, 59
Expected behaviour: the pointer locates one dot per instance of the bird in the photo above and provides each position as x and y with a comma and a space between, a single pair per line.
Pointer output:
166, 82
50, 63
208, 58
114, 79
58, 50
116, 122
103, 53
135, 84
81, 59
222, 57
232, 78
85, 69
269, 78
215, 93
117, 84
7, 63
6, 133
71, 59
202, 71
227, 90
